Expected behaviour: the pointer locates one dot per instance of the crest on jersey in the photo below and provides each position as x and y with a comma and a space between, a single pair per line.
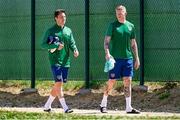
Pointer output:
129, 28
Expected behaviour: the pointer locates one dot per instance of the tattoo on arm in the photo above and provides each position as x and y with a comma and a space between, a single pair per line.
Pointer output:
127, 91
134, 48
106, 43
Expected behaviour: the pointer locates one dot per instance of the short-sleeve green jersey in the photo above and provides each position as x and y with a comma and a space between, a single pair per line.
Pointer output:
121, 36
61, 57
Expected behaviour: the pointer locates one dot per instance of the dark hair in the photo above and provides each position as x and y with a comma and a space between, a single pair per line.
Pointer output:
59, 11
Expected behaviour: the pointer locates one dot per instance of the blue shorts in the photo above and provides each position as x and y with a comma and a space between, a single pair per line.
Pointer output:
60, 73
122, 68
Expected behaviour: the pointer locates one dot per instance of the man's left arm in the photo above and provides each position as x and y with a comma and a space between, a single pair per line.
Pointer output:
135, 52
73, 46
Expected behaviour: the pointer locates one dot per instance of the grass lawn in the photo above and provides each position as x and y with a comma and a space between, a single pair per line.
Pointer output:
4, 115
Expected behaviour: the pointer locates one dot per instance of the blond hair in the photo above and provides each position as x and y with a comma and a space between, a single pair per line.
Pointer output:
121, 7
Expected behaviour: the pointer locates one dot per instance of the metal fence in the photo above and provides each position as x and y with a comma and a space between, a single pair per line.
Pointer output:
161, 37
162, 50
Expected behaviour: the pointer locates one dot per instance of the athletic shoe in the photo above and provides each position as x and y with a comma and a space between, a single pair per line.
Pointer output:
103, 109
47, 110
133, 111
69, 111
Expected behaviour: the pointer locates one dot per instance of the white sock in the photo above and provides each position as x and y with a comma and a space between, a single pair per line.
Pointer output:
49, 102
63, 103
128, 104
104, 101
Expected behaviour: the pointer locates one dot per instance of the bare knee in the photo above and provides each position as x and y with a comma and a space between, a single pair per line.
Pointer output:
109, 86
57, 89
127, 81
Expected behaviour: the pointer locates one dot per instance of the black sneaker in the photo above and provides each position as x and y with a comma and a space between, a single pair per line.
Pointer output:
47, 110
103, 109
69, 111
133, 111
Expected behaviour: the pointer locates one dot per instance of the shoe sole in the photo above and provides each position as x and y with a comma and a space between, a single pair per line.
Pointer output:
69, 111
103, 111
48, 110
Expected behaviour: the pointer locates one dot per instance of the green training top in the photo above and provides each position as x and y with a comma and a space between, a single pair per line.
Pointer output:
121, 35
61, 57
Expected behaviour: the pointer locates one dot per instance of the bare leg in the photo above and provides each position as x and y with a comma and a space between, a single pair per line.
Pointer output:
109, 86
108, 89
127, 92
54, 92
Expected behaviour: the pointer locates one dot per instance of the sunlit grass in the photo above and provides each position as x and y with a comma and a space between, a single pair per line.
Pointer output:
6, 115
73, 85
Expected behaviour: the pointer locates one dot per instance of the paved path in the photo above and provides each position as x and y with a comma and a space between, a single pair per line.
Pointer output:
90, 112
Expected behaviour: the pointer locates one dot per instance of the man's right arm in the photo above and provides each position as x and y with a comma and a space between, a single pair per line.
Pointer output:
106, 46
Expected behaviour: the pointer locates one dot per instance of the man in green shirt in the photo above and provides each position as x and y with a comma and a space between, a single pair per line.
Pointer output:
59, 56
120, 43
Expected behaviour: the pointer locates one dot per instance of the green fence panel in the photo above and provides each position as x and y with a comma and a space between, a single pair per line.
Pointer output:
102, 12
162, 58
15, 39
75, 20
161, 53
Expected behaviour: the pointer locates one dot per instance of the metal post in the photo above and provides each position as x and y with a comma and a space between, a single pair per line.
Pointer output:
142, 42
87, 43
32, 43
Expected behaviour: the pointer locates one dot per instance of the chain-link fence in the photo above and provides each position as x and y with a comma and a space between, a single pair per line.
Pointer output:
161, 53
75, 20
15, 39
102, 12
162, 50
